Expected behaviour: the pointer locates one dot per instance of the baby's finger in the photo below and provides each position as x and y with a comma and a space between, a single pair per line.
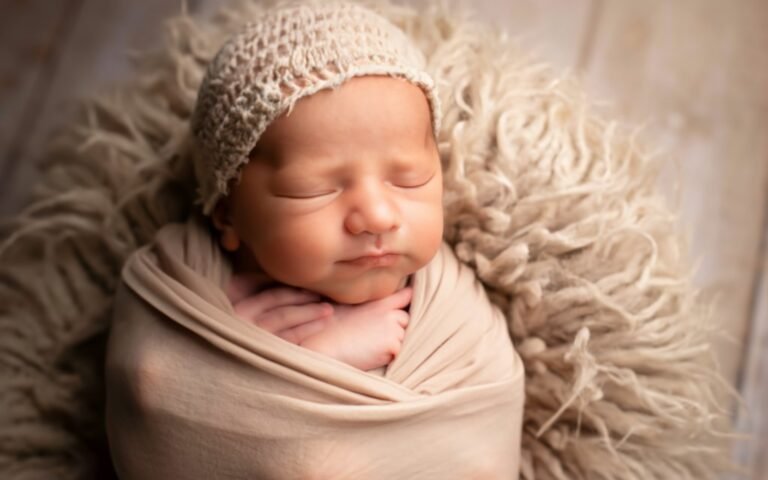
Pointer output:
300, 333
267, 300
284, 318
285, 296
399, 299
403, 319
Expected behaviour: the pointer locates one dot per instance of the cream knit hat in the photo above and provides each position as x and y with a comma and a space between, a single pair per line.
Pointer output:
290, 52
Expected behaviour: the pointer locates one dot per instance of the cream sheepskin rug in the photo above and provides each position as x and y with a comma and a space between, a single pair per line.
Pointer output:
554, 208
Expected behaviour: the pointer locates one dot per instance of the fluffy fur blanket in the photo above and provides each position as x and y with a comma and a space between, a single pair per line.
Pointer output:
552, 207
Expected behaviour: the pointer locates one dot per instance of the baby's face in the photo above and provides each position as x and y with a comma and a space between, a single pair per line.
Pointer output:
348, 173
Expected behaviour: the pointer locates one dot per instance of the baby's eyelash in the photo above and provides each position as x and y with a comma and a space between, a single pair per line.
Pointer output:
324, 194
419, 185
307, 196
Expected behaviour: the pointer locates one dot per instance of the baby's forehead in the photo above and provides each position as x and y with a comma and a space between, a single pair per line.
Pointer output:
347, 124
329, 162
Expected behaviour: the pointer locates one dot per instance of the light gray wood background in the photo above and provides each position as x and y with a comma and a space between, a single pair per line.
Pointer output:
694, 71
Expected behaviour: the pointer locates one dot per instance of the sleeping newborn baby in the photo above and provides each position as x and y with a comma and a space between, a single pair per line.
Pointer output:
343, 198
375, 352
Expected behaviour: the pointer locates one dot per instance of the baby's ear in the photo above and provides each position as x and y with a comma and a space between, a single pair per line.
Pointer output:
222, 221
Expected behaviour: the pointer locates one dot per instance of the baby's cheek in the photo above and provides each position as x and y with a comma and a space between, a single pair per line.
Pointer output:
296, 252
428, 229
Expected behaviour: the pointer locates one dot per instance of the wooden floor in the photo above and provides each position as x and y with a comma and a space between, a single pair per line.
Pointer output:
695, 71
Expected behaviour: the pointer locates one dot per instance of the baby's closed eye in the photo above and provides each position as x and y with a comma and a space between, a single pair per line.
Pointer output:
414, 181
301, 187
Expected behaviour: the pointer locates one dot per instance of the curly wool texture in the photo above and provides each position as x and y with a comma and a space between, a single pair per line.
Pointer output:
554, 208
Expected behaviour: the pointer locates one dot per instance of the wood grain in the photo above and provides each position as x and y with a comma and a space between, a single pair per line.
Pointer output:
90, 54
557, 31
753, 418
31, 36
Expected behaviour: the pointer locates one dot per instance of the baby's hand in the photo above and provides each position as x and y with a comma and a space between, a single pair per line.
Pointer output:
289, 313
366, 336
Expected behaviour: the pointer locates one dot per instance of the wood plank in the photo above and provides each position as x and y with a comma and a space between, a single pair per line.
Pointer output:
28, 58
705, 99
753, 419
92, 57
554, 30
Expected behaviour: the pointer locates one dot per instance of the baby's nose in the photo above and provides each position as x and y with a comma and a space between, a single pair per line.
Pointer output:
373, 212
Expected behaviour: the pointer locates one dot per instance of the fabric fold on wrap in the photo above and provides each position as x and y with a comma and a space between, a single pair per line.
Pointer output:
195, 392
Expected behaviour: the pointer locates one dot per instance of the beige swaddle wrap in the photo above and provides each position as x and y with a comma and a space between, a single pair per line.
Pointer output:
194, 392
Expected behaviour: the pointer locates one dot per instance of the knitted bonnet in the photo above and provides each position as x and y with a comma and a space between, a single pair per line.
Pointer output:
289, 52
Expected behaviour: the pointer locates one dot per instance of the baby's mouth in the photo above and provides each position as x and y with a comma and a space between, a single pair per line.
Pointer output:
377, 260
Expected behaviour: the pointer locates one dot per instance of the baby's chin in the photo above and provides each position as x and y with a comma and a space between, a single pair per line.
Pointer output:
363, 292
371, 285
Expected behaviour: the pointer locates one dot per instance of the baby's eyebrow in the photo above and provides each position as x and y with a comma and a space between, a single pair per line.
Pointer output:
259, 154
314, 167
